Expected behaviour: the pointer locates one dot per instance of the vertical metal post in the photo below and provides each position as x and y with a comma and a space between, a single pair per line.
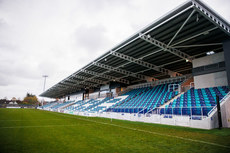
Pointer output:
191, 112
202, 112
219, 111
111, 117
44, 76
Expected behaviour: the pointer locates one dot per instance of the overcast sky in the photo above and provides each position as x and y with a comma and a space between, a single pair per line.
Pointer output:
58, 37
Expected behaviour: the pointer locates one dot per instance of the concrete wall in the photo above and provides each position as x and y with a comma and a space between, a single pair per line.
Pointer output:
212, 79
211, 59
226, 47
76, 96
225, 113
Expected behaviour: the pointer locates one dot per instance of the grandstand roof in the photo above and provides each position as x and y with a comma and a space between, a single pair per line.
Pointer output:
163, 49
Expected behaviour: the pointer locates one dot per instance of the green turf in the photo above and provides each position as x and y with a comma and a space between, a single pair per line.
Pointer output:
31, 131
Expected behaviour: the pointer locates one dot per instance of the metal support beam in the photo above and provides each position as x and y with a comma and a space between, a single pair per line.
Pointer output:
108, 77
199, 45
166, 47
67, 83
211, 17
181, 27
59, 86
85, 83
128, 73
89, 79
77, 83
182, 41
145, 64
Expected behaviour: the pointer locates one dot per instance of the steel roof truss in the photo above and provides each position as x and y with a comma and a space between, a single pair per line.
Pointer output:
165, 47
145, 64
181, 27
89, 79
128, 73
82, 83
105, 76
211, 17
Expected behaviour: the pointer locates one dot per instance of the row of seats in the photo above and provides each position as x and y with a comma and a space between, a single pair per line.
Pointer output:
92, 105
59, 105
49, 105
195, 101
151, 99
96, 104
144, 99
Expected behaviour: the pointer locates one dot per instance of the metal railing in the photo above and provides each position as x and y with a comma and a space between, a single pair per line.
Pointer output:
135, 110
221, 103
202, 111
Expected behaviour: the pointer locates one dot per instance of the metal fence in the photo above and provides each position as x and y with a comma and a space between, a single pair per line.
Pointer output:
139, 110
190, 111
186, 111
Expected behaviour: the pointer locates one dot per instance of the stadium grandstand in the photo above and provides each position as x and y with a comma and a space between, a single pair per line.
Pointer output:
172, 72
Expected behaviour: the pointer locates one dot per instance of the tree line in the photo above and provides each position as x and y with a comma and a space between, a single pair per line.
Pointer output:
28, 99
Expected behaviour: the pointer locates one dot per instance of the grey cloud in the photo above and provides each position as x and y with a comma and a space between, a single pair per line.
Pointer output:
48, 67
4, 81
91, 38
100, 5
58, 37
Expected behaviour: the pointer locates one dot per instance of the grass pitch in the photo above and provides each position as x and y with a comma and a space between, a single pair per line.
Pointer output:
36, 131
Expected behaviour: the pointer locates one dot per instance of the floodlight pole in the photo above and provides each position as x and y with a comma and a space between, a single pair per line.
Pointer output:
44, 76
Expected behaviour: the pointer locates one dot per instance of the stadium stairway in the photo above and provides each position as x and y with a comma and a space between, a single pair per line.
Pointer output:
171, 100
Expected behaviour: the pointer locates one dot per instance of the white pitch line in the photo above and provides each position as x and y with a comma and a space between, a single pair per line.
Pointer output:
156, 133
39, 126
124, 127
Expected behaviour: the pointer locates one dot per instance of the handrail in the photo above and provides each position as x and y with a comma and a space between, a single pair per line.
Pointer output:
127, 108
225, 97
141, 110
172, 108
169, 101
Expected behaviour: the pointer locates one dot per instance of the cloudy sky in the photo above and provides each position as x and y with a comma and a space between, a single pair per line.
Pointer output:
58, 37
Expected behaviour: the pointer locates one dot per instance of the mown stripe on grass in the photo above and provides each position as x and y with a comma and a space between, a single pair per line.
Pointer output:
34, 126
111, 124
156, 133
29, 120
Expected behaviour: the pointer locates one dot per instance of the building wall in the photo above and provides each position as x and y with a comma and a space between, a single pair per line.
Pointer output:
75, 96
211, 79
215, 58
226, 47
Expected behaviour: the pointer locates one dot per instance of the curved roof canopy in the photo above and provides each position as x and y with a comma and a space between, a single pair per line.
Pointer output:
161, 50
